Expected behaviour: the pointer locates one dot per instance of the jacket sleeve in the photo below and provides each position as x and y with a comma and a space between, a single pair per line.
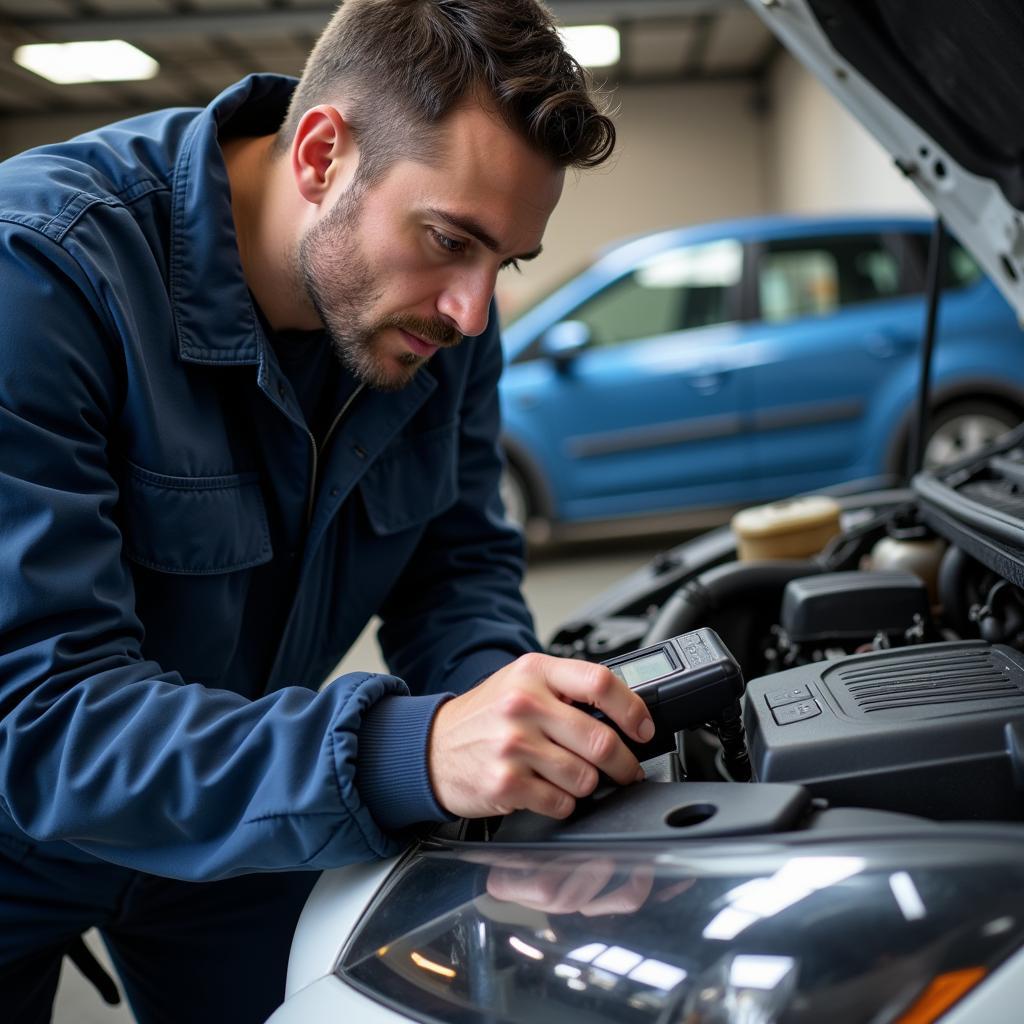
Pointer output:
457, 614
100, 747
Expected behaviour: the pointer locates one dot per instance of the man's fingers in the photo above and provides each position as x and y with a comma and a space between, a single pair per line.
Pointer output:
589, 683
561, 745
520, 789
592, 741
565, 770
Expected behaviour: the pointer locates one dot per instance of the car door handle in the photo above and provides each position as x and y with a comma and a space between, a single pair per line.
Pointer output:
885, 345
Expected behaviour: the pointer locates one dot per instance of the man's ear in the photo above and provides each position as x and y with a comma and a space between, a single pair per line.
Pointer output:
323, 154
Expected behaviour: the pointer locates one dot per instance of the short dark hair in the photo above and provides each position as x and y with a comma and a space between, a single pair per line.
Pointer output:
403, 65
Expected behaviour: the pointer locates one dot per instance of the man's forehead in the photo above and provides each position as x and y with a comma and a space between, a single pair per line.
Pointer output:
476, 147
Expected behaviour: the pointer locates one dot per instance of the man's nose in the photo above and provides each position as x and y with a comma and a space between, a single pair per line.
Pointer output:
467, 301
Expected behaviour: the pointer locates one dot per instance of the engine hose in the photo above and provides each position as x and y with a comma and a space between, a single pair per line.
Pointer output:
690, 606
1000, 619
953, 590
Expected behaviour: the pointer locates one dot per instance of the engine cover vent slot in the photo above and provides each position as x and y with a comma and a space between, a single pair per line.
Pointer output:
929, 680
925, 681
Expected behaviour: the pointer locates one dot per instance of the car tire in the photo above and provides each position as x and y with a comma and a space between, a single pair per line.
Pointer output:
956, 429
516, 497
964, 426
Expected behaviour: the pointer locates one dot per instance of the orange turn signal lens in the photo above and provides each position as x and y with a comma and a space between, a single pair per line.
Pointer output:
940, 994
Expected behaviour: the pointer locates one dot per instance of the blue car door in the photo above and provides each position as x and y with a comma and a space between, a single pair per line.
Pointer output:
835, 323
647, 416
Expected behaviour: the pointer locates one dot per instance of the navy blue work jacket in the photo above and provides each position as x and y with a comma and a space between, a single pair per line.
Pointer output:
159, 702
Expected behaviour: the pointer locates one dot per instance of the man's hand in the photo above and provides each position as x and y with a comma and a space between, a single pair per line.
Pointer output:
515, 742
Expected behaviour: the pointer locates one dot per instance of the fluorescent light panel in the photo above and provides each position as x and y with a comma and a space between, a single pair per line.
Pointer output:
594, 46
105, 60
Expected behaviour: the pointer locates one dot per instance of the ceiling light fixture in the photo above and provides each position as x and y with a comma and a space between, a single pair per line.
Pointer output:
594, 46
106, 60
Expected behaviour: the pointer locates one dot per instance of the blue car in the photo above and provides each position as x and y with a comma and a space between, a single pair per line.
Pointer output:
700, 369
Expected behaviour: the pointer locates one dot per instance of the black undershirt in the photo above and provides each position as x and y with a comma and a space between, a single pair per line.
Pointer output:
308, 361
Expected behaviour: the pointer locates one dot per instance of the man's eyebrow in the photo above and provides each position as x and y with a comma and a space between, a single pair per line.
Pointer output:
471, 226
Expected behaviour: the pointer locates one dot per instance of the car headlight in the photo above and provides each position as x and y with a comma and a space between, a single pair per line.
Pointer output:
887, 930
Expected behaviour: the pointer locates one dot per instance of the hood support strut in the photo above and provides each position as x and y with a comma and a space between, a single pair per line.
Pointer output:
919, 427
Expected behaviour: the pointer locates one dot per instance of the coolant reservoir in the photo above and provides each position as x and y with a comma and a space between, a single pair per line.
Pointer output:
797, 528
919, 555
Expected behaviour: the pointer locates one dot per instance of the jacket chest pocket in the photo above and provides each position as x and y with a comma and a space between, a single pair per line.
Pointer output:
414, 480
193, 542
194, 526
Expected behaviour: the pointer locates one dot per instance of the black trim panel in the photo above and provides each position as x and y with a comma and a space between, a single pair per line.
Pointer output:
635, 438
787, 417
711, 428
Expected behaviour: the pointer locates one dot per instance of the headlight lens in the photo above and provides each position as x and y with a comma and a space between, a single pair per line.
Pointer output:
701, 935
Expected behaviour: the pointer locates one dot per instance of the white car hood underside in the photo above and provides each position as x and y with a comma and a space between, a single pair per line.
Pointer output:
973, 205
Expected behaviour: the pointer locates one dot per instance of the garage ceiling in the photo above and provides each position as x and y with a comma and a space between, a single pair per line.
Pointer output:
204, 45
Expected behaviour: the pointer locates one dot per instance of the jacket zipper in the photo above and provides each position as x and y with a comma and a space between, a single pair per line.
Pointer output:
316, 452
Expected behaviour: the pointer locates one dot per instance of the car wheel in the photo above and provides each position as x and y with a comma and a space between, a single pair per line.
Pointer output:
963, 427
515, 497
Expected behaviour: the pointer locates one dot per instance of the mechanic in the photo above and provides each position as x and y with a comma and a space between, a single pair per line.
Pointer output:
238, 418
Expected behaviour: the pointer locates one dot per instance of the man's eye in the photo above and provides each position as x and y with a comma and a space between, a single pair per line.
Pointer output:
448, 244
512, 265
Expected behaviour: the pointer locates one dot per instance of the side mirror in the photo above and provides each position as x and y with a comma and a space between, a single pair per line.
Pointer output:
564, 341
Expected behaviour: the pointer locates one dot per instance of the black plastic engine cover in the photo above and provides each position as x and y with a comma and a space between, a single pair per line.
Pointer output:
673, 810
852, 605
934, 730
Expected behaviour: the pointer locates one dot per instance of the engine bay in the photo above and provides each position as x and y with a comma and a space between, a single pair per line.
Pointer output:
885, 672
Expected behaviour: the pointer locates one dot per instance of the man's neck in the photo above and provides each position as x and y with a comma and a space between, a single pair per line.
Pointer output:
266, 242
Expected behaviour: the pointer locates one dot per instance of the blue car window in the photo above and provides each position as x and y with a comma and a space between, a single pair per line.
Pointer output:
962, 268
801, 283
960, 271
686, 287
817, 276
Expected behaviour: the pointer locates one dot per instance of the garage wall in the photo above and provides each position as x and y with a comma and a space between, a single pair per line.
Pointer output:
820, 159
686, 153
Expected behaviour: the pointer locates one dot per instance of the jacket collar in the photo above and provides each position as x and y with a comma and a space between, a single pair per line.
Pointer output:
213, 310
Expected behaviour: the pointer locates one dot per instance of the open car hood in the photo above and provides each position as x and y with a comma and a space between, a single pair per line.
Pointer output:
940, 84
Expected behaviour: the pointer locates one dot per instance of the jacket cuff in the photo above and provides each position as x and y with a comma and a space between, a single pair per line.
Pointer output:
392, 776
476, 667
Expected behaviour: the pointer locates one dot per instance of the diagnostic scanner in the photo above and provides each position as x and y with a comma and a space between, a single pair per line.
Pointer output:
685, 682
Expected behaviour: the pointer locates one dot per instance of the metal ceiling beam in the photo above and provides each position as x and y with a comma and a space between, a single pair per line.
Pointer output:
275, 21
699, 43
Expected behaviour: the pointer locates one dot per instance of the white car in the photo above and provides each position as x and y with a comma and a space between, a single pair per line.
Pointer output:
873, 869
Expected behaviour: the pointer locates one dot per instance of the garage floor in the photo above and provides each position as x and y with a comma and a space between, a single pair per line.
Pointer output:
556, 584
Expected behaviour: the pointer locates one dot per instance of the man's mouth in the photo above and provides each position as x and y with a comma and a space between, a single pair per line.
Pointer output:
417, 344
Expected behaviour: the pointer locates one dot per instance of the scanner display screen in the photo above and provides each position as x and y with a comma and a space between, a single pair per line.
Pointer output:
643, 670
